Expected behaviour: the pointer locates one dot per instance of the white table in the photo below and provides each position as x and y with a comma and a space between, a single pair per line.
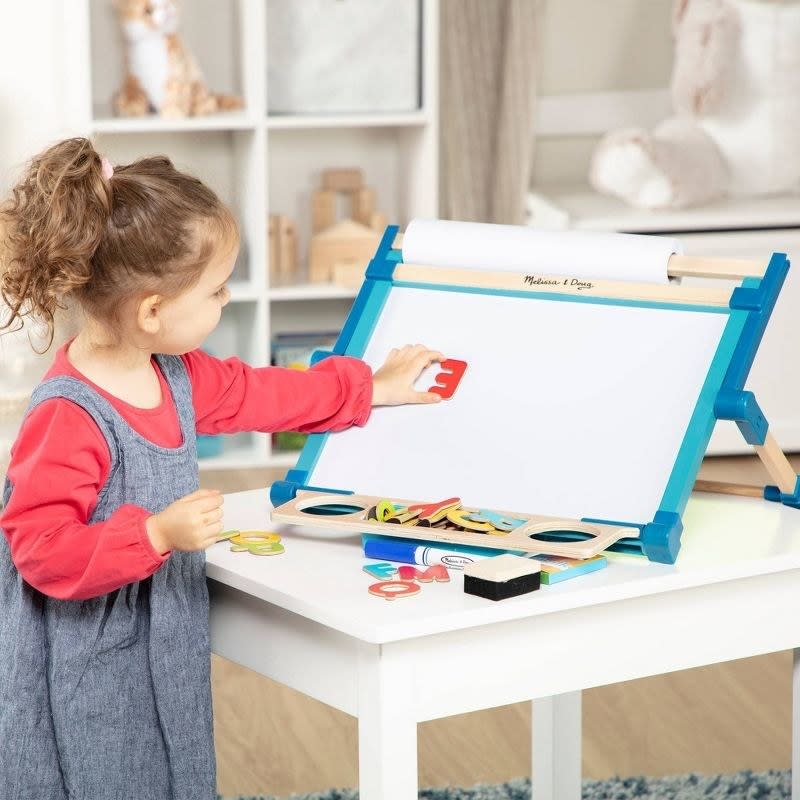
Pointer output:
305, 619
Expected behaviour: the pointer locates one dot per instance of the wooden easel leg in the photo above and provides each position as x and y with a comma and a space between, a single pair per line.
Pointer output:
556, 747
778, 466
796, 724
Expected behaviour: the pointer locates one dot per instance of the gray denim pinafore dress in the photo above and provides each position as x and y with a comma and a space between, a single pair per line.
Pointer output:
110, 698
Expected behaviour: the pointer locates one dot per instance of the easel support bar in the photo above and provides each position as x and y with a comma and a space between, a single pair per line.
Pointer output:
778, 466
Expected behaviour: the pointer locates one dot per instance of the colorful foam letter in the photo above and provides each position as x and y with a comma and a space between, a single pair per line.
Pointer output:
437, 573
447, 381
382, 571
501, 522
389, 590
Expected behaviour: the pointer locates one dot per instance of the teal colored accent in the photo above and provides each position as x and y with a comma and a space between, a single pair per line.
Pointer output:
319, 355
661, 538
283, 491
370, 298
759, 297
743, 409
774, 494
600, 301
701, 424
310, 453
352, 341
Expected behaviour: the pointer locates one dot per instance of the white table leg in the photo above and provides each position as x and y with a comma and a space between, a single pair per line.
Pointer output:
387, 734
796, 724
556, 745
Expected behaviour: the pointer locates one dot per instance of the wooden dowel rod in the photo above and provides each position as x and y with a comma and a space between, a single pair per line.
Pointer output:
701, 267
720, 487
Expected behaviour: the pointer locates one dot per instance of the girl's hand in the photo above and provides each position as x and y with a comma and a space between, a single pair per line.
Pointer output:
192, 523
393, 383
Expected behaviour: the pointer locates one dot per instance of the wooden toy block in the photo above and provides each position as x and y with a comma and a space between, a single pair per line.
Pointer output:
346, 179
502, 576
378, 221
349, 274
363, 206
346, 241
323, 210
282, 247
274, 249
287, 246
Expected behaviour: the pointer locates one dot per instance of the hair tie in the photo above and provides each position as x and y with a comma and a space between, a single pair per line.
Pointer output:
108, 170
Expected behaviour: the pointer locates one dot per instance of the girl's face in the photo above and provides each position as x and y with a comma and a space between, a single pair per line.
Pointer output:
186, 320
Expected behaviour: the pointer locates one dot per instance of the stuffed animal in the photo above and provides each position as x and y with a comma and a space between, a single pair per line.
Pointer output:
736, 93
161, 74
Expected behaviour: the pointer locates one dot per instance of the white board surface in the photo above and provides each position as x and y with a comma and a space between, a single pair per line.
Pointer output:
566, 409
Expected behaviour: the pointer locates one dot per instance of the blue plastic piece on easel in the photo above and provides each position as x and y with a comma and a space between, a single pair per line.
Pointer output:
758, 297
661, 538
379, 273
381, 267
283, 491
319, 355
777, 496
743, 409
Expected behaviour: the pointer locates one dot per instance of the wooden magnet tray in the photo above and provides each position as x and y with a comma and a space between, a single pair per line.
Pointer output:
449, 521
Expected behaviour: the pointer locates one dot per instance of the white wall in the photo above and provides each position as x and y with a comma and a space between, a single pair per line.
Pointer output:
32, 82
597, 46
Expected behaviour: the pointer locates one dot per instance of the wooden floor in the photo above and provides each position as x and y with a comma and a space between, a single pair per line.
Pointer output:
723, 718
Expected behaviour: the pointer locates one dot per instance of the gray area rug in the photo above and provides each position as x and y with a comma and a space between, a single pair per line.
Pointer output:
771, 785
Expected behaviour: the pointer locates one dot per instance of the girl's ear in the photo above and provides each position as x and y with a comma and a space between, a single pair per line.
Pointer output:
148, 314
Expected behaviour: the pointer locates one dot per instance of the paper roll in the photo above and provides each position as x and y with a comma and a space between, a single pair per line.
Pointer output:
585, 254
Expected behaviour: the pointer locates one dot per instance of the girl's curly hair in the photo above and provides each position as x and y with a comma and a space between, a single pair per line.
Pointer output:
67, 230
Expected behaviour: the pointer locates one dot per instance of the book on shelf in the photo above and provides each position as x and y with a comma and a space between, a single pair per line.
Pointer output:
294, 350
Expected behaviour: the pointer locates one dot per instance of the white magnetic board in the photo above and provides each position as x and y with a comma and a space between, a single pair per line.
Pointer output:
571, 409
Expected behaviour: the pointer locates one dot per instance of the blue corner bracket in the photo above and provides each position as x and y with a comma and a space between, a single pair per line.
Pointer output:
774, 494
661, 538
283, 491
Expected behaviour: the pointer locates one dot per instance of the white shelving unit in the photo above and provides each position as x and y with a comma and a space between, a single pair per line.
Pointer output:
736, 228
258, 164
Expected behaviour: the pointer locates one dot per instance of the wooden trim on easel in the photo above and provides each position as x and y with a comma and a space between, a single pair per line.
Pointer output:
723, 487
601, 536
560, 284
778, 466
701, 267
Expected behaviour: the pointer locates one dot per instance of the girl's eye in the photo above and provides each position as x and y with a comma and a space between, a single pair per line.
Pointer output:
221, 292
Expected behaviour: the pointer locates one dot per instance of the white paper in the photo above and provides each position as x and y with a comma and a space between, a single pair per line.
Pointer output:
513, 248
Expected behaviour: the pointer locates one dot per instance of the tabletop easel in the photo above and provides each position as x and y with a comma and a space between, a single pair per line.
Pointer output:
659, 539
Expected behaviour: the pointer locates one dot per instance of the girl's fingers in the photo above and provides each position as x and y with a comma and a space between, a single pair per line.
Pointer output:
206, 504
201, 493
212, 517
425, 397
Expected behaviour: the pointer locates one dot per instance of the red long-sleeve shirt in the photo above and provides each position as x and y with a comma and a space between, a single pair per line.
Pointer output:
60, 461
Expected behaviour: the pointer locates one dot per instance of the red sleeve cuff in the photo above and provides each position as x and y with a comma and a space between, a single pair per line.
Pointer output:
140, 516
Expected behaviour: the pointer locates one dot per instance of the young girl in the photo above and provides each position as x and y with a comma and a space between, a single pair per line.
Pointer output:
104, 650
